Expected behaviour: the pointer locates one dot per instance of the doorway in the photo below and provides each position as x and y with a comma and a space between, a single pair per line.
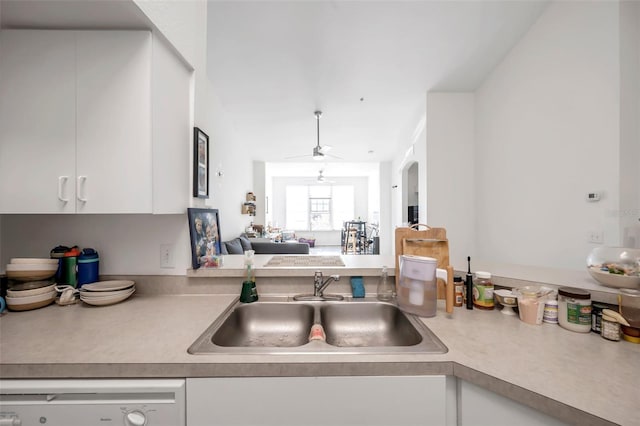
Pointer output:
411, 189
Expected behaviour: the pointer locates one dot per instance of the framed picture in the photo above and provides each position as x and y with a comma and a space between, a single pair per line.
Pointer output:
204, 230
200, 164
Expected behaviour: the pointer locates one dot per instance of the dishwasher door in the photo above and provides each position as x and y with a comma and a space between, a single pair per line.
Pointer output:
93, 402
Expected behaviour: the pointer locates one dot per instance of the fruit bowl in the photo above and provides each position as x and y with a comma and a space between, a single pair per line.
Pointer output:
615, 266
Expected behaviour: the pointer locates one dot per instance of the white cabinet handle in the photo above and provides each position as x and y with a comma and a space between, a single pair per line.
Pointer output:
80, 188
62, 183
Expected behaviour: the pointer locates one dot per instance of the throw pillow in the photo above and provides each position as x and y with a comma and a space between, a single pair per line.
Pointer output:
246, 244
234, 246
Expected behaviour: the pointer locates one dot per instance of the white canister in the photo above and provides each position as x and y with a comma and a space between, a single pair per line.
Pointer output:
574, 309
550, 314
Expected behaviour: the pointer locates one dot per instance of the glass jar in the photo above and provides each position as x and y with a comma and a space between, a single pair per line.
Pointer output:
596, 316
574, 309
629, 301
483, 291
458, 287
610, 328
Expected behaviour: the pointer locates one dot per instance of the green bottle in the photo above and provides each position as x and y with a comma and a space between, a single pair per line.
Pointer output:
249, 291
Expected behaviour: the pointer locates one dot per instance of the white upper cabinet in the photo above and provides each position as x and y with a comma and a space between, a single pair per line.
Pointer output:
76, 124
37, 122
113, 110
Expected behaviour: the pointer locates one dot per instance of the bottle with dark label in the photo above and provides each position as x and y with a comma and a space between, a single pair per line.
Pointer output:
458, 286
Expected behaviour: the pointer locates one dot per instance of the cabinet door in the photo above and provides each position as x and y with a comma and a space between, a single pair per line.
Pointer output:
478, 407
37, 121
301, 401
114, 173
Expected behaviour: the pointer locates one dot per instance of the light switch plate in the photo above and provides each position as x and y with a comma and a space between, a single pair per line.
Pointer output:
167, 259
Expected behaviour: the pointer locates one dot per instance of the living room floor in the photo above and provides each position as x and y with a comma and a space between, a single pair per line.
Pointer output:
326, 250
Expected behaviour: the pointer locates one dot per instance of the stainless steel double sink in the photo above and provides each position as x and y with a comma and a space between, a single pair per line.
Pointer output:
282, 326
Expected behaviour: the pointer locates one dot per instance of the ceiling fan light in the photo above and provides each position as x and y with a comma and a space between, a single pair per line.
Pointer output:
317, 153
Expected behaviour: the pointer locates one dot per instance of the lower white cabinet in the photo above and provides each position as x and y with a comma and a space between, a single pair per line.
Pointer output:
379, 400
479, 407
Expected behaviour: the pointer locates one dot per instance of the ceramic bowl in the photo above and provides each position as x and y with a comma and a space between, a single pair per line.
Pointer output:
28, 303
602, 261
31, 271
31, 292
33, 260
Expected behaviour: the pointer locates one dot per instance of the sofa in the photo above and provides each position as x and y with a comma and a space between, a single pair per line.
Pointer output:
242, 243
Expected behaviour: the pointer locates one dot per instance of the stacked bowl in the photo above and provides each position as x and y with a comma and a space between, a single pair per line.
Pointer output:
31, 286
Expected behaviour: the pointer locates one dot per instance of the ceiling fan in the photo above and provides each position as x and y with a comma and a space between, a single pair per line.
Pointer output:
321, 178
319, 152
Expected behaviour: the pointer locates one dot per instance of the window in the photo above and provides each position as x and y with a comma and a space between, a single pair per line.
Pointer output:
318, 207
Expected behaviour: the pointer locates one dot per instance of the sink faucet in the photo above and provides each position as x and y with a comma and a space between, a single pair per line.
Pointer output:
319, 285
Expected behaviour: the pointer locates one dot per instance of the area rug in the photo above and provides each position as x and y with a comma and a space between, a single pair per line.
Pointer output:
305, 261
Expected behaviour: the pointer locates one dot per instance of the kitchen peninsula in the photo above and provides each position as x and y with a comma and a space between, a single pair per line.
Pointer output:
578, 378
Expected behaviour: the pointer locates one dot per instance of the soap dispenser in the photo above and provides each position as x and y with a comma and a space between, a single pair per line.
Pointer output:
249, 291
386, 289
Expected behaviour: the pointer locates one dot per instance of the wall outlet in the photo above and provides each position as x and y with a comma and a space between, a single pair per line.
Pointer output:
596, 237
167, 259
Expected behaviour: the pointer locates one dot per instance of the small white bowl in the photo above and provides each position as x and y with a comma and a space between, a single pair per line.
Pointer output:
33, 260
19, 267
30, 271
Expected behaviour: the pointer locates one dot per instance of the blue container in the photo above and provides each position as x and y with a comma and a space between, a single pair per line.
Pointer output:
88, 263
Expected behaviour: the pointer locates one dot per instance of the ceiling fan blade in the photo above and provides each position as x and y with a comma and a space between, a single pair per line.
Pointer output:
325, 148
297, 156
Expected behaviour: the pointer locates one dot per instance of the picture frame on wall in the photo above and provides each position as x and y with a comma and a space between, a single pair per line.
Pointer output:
204, 233
200, 163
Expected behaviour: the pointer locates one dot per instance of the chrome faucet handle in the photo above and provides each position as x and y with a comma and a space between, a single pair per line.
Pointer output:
317, 278
320, 285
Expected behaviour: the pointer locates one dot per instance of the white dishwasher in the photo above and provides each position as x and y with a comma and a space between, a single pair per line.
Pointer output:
143, 402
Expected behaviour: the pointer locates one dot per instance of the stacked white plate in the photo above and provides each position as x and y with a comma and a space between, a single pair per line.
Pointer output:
105, 293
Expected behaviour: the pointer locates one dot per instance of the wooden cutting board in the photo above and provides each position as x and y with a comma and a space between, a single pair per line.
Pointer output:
427, 242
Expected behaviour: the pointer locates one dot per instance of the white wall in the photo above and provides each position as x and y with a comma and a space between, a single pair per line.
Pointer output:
629, 212
127, 244
259, 189
412, 185
412, 150
386, 229
547, 132
451, 170
180, 22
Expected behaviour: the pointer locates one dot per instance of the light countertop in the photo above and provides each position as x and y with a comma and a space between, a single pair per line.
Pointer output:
547, 367
233, 266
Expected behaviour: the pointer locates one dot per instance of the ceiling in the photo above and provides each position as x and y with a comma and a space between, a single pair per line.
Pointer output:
367, 65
